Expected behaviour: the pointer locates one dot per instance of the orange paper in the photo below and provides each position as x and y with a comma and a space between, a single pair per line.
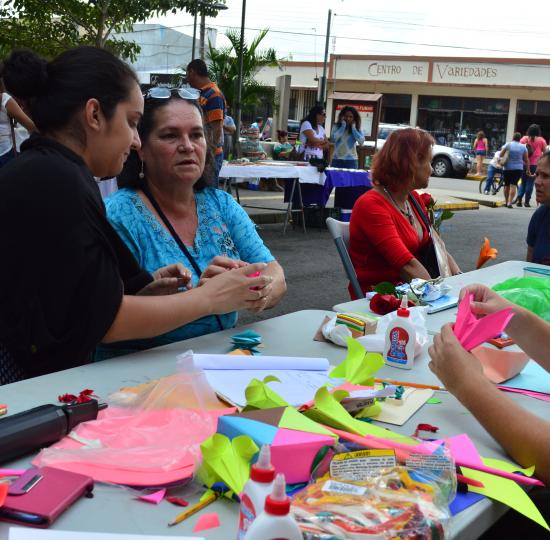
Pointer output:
499, 365
485, 253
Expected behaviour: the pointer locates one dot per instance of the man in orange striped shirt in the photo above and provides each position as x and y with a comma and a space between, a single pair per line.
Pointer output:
213, 104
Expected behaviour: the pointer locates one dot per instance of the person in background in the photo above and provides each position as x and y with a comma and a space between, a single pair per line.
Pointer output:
536, 146
523, 435
213, 104
516, 162
257, 124
86, 105
493, 167
283, 148
167, 212
313, 139
538, 232
251, 147
10, 110
229, 129
388, 227
346, 135
480, 146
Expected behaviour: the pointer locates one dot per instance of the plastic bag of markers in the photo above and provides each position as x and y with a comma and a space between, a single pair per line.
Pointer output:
348, 499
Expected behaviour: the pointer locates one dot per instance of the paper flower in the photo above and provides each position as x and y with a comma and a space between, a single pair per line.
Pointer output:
485, 253
381, 304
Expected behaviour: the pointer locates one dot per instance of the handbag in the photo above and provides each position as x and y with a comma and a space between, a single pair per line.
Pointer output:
433, 255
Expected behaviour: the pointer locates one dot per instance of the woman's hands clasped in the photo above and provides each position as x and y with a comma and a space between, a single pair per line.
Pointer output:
168, 280
232, 290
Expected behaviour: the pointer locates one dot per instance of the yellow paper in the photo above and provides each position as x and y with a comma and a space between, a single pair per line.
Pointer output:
507, 492
260, 396
227, 461
359, 366
507, 466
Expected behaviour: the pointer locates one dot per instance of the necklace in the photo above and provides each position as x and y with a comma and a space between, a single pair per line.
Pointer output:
407, 212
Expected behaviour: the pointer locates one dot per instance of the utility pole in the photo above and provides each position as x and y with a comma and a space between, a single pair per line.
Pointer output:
321, 98
238, 107
202, 35
194, 32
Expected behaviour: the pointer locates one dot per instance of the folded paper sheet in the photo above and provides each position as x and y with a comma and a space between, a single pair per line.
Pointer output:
260, 396
499, 365
394, 412
236, 362
359, 365
471, 331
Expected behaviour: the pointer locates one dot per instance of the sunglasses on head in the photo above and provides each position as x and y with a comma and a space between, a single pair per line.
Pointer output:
161, 92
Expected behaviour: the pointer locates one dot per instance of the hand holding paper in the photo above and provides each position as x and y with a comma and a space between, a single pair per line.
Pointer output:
472, 332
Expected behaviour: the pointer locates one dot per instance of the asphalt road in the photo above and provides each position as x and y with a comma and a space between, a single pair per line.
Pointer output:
315, 275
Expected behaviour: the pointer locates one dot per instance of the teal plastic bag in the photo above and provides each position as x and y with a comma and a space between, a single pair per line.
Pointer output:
532, 293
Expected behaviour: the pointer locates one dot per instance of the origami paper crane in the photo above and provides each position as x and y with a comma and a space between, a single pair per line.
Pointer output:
472, 332
485, 253
295, 440
227, 461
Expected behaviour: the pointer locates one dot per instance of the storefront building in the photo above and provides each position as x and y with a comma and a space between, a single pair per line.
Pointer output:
452, 98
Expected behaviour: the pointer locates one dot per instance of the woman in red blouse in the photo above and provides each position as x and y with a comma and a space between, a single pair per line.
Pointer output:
386, 232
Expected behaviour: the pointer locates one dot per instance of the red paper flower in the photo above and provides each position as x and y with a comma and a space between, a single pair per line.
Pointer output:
381, 304
84, 396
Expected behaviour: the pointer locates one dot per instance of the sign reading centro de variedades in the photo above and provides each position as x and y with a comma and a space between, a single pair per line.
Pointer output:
443, 72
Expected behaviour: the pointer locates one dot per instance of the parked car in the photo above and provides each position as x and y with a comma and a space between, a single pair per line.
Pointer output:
446, 161
293, 128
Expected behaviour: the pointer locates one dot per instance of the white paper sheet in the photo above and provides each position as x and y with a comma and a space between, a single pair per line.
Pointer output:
37, 534
234, 362
296, 387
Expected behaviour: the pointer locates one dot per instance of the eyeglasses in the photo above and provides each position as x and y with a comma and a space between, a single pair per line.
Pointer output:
161, 92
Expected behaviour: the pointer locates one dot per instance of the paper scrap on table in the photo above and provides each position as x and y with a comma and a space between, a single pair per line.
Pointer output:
207, 521
498, 365
227, 461
359, 365
433, 401
536, 395
533, 377
234, 362
463, 501
21, 533
507, 492
153, 498
295, 387
260, 396
398, 411
471, 331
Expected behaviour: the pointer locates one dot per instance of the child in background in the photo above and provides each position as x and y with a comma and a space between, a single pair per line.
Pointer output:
251, 147
282, 150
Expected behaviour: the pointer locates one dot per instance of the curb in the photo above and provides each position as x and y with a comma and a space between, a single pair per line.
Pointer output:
490, 203
457, 206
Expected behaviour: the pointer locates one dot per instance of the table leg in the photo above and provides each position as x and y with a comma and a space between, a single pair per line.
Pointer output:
289, 206
301, 204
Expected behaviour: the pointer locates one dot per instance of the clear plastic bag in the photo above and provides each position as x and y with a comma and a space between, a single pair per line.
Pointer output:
405, 500
148, 436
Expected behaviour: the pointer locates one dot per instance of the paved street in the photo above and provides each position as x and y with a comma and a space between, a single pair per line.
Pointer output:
315, 275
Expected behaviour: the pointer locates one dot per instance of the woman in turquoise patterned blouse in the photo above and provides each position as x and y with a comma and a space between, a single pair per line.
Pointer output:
166, 186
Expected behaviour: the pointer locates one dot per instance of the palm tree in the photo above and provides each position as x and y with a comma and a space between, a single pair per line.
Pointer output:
224, 69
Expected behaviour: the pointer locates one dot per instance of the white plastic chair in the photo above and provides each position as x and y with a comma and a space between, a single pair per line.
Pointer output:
339, 230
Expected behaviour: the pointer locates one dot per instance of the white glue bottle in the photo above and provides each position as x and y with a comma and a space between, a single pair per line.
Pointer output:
400, 339
256, 490
275, 522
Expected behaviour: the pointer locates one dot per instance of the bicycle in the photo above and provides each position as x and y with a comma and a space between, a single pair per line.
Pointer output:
498, 183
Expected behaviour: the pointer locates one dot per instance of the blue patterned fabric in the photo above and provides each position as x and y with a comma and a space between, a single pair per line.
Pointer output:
223, 228
345, 142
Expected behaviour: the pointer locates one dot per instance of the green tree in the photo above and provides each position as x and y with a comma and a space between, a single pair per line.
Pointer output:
51, 26
224, 69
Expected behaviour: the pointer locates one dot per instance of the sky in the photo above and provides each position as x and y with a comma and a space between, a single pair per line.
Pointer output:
464, 28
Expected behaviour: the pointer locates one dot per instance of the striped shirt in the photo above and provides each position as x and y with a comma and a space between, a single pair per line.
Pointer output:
213, 104
345, 142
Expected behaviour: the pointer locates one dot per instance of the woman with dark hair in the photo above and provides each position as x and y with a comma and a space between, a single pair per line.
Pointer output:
536, 146
480, 147
68, 280
389, 225
167, 212
516, 161
312, 133
346, 135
